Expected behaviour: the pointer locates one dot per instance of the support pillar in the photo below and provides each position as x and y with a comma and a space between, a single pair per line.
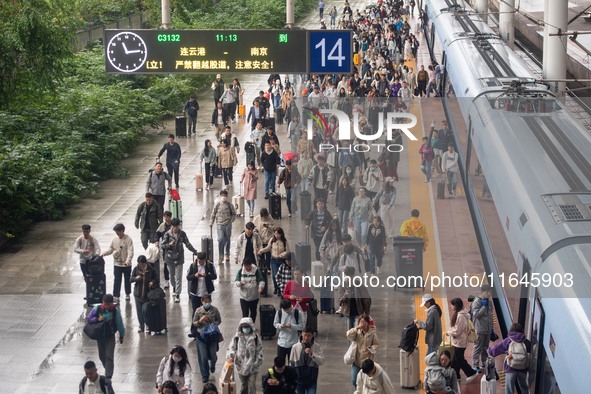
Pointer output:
289, 14
482, 9
506, 22
165, 14
554, 51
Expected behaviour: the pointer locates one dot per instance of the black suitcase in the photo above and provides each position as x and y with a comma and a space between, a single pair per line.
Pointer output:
441, 190
96, 288
156, 311
279, 115
305, 204
270, 122
326, 299
303, 255
311, 317
181, 126
207, 246
275, 205
267, 317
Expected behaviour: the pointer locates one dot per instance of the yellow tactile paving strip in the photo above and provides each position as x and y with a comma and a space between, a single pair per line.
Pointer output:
420, 198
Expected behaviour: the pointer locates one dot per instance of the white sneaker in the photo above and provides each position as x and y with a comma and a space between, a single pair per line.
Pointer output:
166, 284
377, 270
207, 187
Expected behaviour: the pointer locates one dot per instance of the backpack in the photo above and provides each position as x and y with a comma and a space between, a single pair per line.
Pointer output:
435, 377
517, 356
409, 338
249, 147
296, 314
471, 332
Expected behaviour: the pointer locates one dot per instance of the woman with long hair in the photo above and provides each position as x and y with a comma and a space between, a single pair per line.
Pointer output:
459, 339
344, 198
278, 247
330, 242
175, 367
249, 182
209, 155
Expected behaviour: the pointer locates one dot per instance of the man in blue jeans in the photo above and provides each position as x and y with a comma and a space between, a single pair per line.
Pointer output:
270, 161
223, 214
207, 357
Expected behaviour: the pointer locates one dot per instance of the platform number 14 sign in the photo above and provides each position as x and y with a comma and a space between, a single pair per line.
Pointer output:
330, 51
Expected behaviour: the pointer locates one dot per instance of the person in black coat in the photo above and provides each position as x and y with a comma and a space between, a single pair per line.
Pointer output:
281, 379
318, 221
219, 119
257, 113
200, 276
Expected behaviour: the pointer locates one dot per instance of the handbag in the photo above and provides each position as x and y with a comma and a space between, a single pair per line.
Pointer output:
210, 333
349, 357
96, 330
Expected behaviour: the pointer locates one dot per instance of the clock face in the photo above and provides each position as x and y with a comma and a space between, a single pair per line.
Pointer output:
127, 52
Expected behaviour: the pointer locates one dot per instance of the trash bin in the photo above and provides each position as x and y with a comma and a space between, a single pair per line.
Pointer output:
408, 252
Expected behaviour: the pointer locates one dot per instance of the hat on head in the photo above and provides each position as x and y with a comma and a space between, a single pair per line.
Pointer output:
425, 298
218, 76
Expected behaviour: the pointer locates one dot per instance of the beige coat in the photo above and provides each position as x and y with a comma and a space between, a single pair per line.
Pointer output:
226, 157
364, 342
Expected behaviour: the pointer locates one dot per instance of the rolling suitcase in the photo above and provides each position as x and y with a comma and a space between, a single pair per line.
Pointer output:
317, 271
275, 205
181, 126
199, 180
270, 122
303, 254
267, 317
311, 316
326, 299
305, 204
241, 111
292, 156
409, 369
96, 286
250, 151
441, 190
238, 202
207, 246
265, 272
156, 311
175, 205
488, 386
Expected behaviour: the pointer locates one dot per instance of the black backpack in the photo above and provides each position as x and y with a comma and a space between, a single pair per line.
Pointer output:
296, 315
409, 338
249, 147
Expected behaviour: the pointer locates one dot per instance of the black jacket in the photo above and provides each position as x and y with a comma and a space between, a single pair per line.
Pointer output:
214, 116
287, 381
210, 276
270, 160
173, 153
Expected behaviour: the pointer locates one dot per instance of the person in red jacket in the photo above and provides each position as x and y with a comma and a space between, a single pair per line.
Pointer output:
297, 292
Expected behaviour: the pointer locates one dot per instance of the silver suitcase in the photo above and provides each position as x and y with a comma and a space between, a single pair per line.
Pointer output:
409, 369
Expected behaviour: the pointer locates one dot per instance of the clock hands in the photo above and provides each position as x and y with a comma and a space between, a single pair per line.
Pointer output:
127, 52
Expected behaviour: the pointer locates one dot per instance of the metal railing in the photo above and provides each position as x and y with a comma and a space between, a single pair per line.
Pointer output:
85, 37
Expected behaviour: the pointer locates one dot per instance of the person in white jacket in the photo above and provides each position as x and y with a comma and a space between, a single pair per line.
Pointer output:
373, 379
175, 367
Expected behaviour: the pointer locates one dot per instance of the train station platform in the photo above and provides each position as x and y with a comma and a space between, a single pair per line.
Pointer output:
41, 294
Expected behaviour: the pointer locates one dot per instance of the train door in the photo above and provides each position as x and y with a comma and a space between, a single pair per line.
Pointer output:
524, 304
541, 379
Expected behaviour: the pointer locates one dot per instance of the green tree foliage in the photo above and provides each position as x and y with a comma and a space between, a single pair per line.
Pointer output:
56, 150
105, 11
34, 45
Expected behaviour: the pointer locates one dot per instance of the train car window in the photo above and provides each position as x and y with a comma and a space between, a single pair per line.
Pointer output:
549, 383
537, 347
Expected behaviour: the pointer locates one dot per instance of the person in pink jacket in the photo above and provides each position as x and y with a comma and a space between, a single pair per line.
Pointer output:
459, 339
249, 182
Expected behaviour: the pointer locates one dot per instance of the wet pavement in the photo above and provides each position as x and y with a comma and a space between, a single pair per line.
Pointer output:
42, 348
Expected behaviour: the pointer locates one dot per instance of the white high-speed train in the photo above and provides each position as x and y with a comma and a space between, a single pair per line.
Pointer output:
536, 164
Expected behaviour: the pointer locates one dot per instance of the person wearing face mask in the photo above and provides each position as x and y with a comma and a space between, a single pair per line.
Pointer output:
207, 357
281, 379
109, 313
144, 278
175, 367
246, 352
